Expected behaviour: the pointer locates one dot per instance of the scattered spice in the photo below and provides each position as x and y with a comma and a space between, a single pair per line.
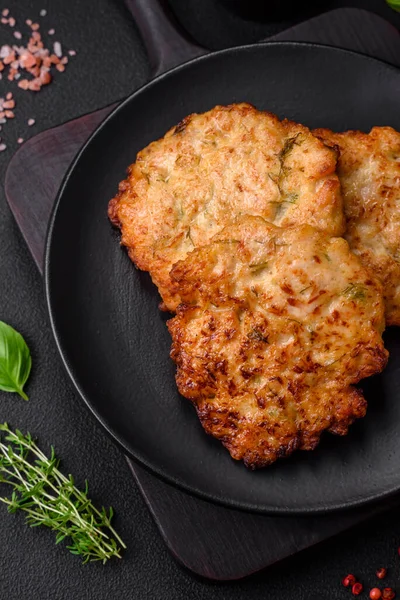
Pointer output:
348, 580
357, 589
381, 573
30, 63
375, 594
20, 140
388, 594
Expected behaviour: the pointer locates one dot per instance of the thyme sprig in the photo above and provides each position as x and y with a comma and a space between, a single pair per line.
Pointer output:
49, 498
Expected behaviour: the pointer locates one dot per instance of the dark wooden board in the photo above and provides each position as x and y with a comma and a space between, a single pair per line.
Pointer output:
224, 544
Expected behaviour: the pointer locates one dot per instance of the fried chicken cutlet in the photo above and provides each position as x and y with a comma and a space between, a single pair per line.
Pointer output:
276, 327
186, 187
369, 171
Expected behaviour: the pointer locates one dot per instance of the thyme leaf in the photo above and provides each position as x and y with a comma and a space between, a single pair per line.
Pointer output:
48, 498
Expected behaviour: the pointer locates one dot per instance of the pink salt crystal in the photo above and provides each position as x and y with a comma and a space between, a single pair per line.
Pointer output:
9, 114
9, 104
45, 77
9, 59
64, 60
43, 12
57, 49
60, 67
27, 60
5, 12
17, 35
31, 122
51, 31
5, 51
4, 21
20, 140
2, 147
23, 84
9, 96
35, 26
71, 52
11, 21
35, 85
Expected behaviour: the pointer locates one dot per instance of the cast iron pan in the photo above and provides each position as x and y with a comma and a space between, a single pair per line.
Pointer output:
104, 313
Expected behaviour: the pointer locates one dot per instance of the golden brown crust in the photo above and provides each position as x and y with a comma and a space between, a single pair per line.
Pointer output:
233, 160
276, 327
369, 171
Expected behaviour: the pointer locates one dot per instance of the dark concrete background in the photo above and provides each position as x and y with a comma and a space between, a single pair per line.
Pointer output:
109, 65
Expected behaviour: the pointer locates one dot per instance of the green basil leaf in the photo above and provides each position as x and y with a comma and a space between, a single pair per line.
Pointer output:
15, 361
395, 4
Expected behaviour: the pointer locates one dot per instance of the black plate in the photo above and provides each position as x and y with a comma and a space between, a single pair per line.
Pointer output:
104, 314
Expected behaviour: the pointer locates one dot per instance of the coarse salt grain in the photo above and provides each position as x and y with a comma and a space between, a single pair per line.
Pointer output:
5, 51
57, 49
20, 140
33, 58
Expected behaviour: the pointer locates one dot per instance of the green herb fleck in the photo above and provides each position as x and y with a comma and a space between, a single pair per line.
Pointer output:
287, 147
355, 291
15, 361
292, 197
49, 498
256, 267
257, 335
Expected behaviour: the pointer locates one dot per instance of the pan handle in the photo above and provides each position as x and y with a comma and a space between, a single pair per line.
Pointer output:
166, 42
